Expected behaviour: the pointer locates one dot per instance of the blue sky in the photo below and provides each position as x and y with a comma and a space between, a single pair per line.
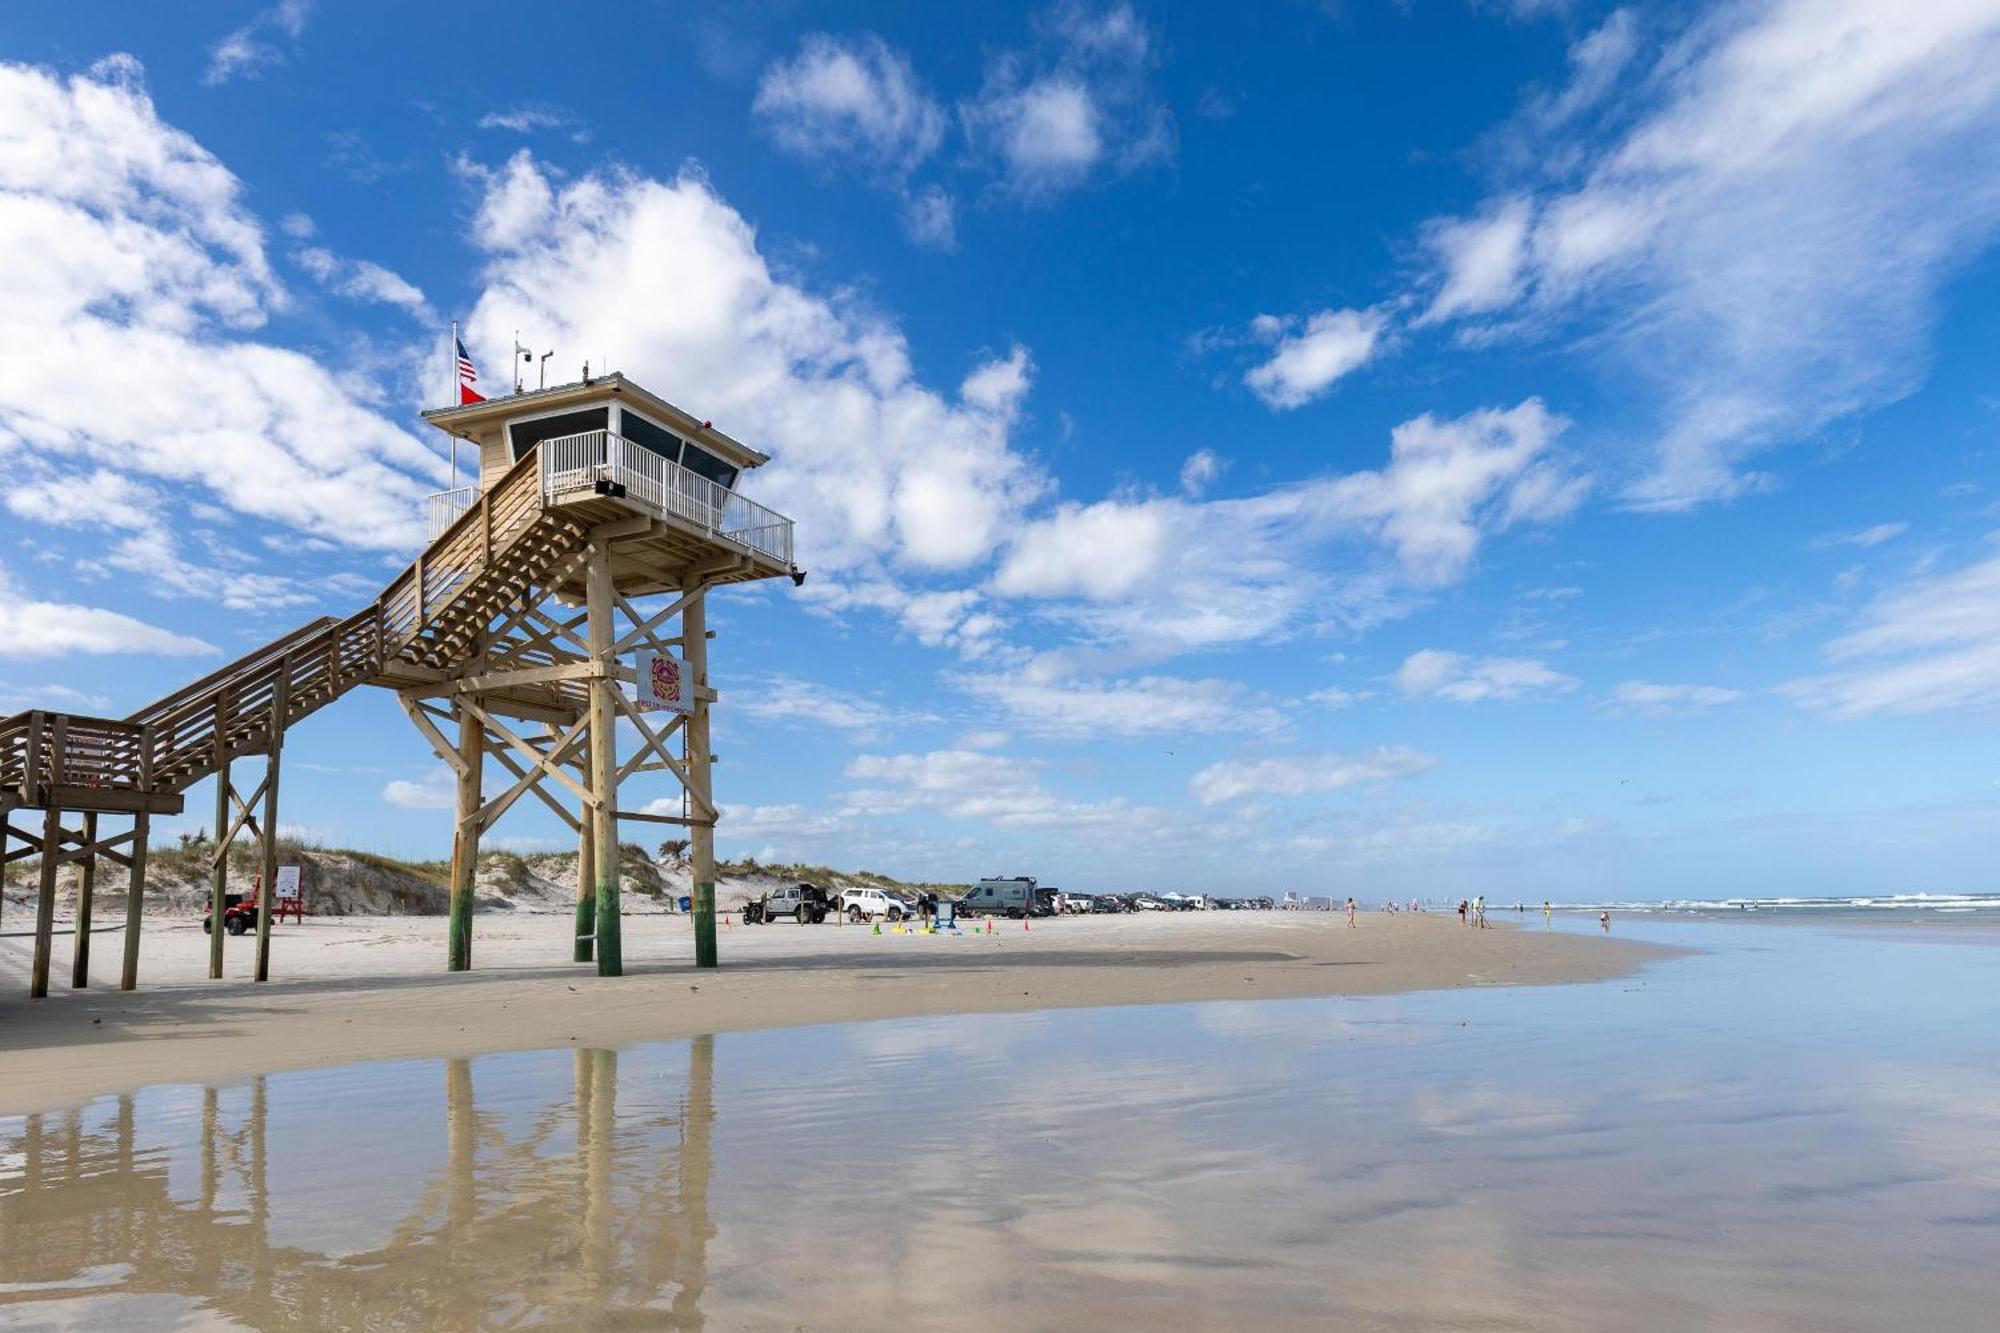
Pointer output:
1535, 449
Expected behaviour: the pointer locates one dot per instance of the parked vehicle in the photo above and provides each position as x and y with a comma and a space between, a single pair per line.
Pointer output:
1050, 902
999, 897
806, 904
237, 916
872, 905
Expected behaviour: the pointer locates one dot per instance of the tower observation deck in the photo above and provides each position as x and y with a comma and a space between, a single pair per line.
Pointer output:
601, 517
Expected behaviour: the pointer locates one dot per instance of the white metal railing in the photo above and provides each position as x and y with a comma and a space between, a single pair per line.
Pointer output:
572, 463
446, 506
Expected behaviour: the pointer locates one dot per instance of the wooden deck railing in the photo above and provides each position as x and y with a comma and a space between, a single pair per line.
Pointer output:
180, 739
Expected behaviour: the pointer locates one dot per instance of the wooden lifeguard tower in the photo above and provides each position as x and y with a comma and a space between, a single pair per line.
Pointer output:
601, 518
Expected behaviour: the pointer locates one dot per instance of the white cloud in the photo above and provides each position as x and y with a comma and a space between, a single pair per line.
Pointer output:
1158, 574
857, 105
1083, 103
1305, 775
1874, 535
931, 218
999, 385
1333, 698
1101, 551
31, 628
974, 785
1434, 674
434, 791
665, 280
788, 699
146, 548
1761, 245
515, 205
364, 280
859, 99
1935, 645
1308, 359
15, 700
263, 43
150, 266
1595, 60
1481, 259
1657, 700
1046, 701
534, 118
1201, 470
764, 821
940, 618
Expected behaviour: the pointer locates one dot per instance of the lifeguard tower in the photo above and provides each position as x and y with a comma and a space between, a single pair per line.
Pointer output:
601, 518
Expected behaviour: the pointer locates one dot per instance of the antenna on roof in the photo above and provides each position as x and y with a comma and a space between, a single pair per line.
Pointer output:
545, 369
524, 354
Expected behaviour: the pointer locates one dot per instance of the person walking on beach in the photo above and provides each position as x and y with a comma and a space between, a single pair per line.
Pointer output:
1350, 911
1479, 911
1604, 922
1461, 911
1548, 917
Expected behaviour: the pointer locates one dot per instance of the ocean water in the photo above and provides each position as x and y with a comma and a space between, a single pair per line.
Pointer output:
1888, 906
1791, 1129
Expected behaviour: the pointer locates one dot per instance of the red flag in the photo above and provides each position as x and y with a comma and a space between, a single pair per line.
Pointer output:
467, 377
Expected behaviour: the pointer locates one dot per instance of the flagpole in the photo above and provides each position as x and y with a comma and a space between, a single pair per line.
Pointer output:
451, 355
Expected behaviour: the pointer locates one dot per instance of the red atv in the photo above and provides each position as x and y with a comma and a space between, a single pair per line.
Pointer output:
237, 915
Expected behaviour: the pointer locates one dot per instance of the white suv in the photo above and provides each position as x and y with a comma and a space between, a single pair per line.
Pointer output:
870, 905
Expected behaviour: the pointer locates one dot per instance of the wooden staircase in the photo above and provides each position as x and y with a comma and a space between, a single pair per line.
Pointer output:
428, 618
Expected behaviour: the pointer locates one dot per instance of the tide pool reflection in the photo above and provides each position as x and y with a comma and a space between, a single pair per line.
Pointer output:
559, 1216
1794, 1129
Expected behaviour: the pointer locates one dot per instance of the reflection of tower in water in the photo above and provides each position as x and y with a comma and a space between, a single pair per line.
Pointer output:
541, 1219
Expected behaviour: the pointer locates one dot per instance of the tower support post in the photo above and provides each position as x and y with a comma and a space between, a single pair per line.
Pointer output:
701, 835
135, 899
45, 904
601, 604
86, 898
267, 888
586, 884
219, 880
465, 835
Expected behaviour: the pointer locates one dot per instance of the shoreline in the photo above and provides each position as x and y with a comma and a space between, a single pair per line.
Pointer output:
354, 989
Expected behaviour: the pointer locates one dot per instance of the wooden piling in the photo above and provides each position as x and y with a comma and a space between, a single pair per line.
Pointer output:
604, 759
86, 898
267, 889
45, 904
465, 838
219, 874
135, 897
586, 886
701, 837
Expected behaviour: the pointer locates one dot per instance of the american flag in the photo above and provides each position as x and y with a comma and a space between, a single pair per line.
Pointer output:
467, 377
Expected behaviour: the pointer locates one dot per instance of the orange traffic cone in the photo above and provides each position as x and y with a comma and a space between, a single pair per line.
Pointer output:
1024, 923
989, 925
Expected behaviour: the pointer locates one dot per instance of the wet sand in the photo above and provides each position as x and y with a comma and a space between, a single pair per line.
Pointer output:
1773, 1132
353, 989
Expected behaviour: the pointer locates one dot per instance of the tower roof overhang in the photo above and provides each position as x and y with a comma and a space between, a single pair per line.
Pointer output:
467, 421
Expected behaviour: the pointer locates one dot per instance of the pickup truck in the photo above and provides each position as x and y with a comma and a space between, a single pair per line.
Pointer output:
870, 905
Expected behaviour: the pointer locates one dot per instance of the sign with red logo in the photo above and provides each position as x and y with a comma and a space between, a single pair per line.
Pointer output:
664, 683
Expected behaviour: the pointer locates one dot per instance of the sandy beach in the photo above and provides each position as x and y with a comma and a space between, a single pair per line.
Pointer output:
370, 988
